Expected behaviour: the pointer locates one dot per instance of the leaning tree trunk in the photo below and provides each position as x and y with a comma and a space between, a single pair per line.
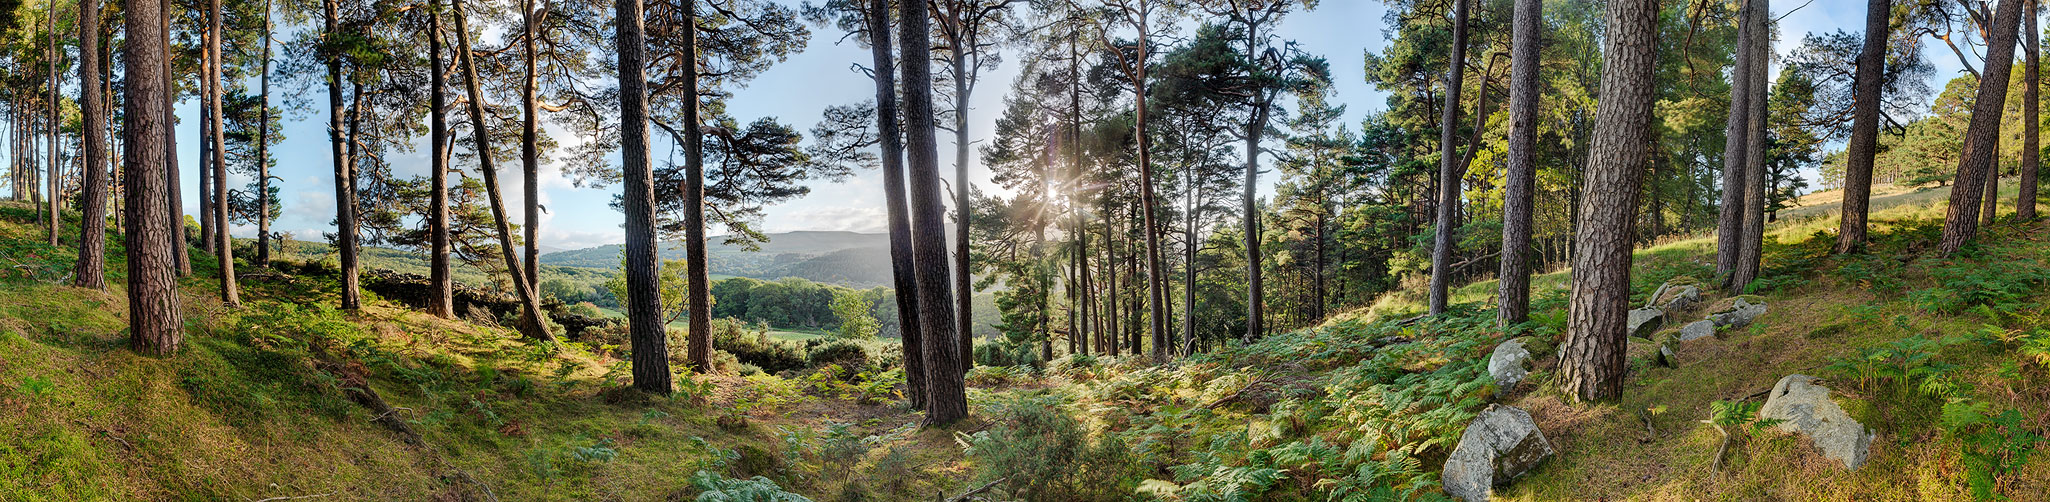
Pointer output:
1448, 166
1591, 363
1156, 279
1751, 241
530, 316
345, 207
946, 398
224, 244
441, 300
1982, 136
902, 270
154, 324
263, 147
2025, 205
91, 271
1864, 143
1730, 223
649, 339
1520, 182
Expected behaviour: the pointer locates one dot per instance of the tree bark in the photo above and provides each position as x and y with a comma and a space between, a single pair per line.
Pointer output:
91, 271
1449, 169
946, 398
1730, 223
176, 212
1983, 134
441, 299
56, 197
964, 293
224, 245
645, 328
698, 297
903, 271
1156, 280
1864, 143
2025, 204
263, 147
1520, 181
530, 317
153, 315
1592, 364
1751, 243
530, 149
345, 207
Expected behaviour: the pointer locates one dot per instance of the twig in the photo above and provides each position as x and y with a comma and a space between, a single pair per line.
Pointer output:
964, 497
328, 494
1725, 446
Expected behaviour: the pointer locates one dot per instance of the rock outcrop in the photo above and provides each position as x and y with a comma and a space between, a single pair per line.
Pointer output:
1697, 330
1500, 444
1506, 365
1645, 321
1804, 407
1740, 314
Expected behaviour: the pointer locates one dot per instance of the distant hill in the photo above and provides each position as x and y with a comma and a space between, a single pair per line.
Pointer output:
846, 258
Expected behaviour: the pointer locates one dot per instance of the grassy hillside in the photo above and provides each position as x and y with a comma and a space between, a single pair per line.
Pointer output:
843, 258
1946, 358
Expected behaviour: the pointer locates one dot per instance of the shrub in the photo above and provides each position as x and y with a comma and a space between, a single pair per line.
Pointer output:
842, 352
1045, 455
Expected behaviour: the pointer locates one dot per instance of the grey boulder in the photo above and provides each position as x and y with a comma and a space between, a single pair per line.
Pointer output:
1500, 444
1697, 330
1680, 298
1805, 407
1740, 314
1645, 321
1506, 364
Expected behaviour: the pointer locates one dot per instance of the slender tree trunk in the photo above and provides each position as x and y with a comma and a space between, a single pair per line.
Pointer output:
1591, 364
1156, 280
441, 301
2025, 205
699, 297
92, 228
1982, 135
1863, 146
206, 144
56, 170
1256, 301
644, 302
903, 271
1448, 166
1991, 206
224, 247
345, 209
1110, 277
153, 315
1317, 314
530, 150
1078, 222
263, 146
1189, 247
176, 213
1520, 183
530, 322
1730, 222
1751, 244
946, 399
964, 294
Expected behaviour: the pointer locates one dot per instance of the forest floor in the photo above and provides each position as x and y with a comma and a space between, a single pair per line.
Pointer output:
265, 400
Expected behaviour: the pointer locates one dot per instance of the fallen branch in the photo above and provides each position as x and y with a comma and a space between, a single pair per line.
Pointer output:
272, 499
971, 493
1235, 395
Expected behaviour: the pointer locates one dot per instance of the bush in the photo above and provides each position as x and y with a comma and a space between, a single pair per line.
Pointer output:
1046, 455
842, 352
751, 346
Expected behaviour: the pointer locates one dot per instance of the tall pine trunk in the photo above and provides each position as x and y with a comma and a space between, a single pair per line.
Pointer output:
92, 228
176, 203
530, 149
1156, 279
1520, 182
530, 316
1591, 365
1448, 166
153, 316
56, 197
946, 398
224, 244
646, 332
263, 147
903, 272
441, 299
1982, 136
1751, 240
345, 207
1864, 143
2025, 204
1730, 220
698, 298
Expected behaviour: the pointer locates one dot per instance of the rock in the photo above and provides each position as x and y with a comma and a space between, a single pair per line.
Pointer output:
1667, 357
1506, 365
1740, 314
1679, 298
1697, 330
1645, 321
1806, 408
1500, 444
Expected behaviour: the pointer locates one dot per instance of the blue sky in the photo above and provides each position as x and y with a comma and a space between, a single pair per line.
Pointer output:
797, 91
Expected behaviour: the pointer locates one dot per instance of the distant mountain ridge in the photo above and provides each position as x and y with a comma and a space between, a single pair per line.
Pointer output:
852, 259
